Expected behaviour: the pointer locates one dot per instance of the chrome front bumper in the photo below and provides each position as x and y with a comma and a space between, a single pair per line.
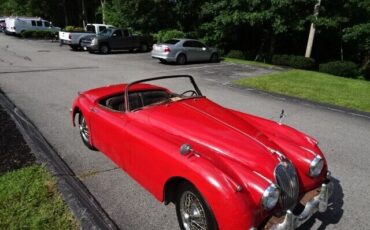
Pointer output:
318, 203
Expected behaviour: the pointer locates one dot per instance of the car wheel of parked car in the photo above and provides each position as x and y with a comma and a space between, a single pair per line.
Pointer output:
163, 61
84, 131
181, 59
104, 49
74, 47
192, 211
214, 58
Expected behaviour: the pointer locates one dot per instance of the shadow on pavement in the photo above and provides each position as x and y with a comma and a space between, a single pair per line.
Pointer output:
333, 214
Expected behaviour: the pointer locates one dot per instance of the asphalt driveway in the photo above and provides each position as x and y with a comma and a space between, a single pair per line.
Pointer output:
42, 79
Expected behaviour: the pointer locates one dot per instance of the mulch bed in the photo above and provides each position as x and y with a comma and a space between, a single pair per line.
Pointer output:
14, 151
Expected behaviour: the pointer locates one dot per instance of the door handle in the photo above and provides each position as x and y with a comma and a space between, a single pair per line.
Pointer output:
92, 109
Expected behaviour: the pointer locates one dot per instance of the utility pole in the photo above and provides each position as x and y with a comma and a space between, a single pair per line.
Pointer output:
311, 36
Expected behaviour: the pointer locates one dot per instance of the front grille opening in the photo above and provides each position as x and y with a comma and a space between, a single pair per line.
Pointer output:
287, 180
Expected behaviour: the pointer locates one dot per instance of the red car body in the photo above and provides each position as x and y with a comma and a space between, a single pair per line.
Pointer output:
233, 155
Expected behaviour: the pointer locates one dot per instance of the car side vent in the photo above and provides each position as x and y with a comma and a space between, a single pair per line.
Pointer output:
287, 180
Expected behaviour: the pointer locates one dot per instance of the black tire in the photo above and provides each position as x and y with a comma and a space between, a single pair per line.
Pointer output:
104, 49
214, 58
163, 61
74, 47
181, 59
203, 216
84, 131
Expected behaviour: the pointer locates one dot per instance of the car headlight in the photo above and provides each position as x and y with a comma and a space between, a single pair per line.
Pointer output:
270, 197
94, 41
316, 166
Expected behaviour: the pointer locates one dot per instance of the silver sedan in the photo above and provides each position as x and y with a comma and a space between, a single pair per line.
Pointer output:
182, 51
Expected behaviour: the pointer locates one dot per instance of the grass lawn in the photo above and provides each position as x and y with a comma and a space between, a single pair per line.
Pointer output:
29, 200
246, 62
315, 86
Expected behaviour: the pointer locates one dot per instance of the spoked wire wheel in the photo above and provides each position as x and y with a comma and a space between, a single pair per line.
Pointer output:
84, 131
192, 211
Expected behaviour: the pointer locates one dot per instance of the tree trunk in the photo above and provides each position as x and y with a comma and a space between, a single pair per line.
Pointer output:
83, 14
64, 4
272, 45
103, 4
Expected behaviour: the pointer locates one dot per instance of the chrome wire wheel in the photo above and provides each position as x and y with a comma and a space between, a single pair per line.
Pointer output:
192, 212
84, 129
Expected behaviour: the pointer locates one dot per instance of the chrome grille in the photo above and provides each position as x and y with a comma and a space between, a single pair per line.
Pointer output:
287, 180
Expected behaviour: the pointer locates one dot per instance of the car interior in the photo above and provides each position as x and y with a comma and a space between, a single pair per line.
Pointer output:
137, 100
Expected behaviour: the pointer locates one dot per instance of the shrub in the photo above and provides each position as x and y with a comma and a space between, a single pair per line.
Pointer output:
191, 34
165, 35
235, 54
340, 68
73, 29
38, 34
294, 61
366, 72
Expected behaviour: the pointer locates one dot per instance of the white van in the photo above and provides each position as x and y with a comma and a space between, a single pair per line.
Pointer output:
15, 25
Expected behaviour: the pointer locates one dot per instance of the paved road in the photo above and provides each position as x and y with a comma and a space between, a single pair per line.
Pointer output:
42, 79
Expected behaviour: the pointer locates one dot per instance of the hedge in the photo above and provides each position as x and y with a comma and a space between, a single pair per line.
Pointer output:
165, 35
39, 34
294, 61
340, 68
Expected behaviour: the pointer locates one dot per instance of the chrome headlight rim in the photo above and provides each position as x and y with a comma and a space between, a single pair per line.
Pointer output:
270, 197
316, 166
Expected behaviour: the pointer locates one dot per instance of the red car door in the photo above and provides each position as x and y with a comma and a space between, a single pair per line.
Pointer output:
109, 135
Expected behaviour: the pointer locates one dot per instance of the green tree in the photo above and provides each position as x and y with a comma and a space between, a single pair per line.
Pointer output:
265, 21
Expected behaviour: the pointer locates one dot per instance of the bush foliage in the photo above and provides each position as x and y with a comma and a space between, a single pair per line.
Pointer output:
165, 35
235, 54
294, 61
366, 72
340, 68
38, 34
73, 29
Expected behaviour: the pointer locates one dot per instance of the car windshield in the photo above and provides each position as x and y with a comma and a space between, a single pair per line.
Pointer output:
171, 41
164, 90
106, 32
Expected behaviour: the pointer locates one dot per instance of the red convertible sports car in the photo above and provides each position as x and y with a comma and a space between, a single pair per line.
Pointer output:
222, 168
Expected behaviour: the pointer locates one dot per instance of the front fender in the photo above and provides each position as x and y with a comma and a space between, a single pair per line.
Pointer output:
82, 104
232, 209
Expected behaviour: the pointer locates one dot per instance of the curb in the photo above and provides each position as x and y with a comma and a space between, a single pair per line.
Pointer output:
79, 199
296, 100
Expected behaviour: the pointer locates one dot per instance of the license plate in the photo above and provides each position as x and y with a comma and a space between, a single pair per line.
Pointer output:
85, 48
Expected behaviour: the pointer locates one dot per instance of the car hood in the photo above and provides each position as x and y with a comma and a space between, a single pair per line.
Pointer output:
221, 135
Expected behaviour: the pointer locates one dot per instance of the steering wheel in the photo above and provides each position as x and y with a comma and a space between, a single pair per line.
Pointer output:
192, 93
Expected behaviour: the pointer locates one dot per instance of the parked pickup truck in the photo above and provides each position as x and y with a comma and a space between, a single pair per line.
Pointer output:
116, 39
73, 39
